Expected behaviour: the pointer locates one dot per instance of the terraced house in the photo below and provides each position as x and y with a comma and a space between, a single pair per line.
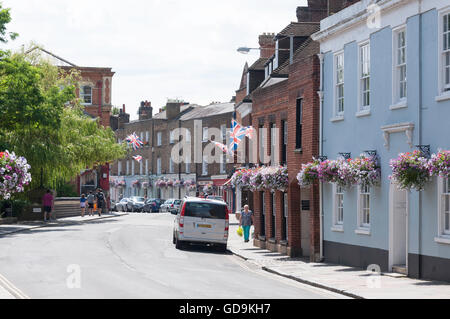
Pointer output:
386, 89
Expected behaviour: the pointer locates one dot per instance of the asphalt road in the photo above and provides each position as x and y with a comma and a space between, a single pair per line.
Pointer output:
133, 257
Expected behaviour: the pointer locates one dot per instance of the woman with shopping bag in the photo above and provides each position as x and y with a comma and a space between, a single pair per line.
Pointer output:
246, 221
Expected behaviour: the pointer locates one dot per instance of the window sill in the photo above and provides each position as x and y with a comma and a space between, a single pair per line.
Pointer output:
443, 97
443, 240
399, 105
363, 113
272, 240
337, 118
362, 231
298, 150
337, 228
262, 238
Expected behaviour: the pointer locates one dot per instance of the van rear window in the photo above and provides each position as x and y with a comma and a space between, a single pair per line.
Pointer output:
205, 210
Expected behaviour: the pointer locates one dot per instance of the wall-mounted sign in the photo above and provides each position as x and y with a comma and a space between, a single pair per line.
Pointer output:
37, 210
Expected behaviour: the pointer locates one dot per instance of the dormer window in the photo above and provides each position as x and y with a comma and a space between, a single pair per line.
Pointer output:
86, 95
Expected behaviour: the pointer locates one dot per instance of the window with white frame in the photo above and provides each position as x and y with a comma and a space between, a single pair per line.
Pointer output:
338, 212
339, 68
205, 134
364, 77
158, 166
146, 167
205, 166
119, 168
188, 166
172, 137
128, 167
364, 206
399, 65
445, 52
444, 206
132, 167
147, 136
159, 138
171, 165
86, 95
142, 136
141, 168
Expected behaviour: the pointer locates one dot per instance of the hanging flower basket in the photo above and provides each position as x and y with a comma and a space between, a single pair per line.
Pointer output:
241, 178
439, 164
161, 183
145, 185
309, 173
14, 175
256, 179
170, 183
177, 183
208, 189
410, 171
329, 171
366, 170
275, 178
136, 184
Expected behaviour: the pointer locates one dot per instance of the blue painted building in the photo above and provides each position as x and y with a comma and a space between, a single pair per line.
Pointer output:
386, 87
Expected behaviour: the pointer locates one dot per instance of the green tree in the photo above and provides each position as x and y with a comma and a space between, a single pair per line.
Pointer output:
5, 18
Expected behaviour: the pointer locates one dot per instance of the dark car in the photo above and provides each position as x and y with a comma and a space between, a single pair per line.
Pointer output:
121, 206
152, 205
135, 204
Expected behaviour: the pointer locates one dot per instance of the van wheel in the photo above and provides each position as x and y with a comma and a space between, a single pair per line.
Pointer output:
178, 244
222, 248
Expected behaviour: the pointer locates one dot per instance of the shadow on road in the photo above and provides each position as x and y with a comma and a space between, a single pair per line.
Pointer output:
204, 249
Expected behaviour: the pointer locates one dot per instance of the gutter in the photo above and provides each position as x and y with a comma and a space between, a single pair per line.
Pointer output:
320, 93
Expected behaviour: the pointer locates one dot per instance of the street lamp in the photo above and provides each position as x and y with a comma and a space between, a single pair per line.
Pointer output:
246, 50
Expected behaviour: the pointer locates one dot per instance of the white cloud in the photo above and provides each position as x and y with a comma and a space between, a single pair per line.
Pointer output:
158, 49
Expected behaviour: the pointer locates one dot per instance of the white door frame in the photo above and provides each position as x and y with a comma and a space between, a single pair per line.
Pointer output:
391, 226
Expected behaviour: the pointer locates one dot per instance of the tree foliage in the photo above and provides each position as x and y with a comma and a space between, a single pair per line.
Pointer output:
5, 18
43, 121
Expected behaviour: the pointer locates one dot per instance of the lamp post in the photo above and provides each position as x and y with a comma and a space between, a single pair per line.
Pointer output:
246, 50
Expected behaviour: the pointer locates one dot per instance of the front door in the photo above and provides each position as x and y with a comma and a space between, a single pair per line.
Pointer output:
398, 229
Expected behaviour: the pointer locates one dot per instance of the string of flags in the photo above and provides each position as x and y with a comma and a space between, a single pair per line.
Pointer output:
134, 141
137, 158
237, 134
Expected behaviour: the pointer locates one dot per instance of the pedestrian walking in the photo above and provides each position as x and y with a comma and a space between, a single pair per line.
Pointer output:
246, 221
100, 199
47, 202
90, 202
83, 204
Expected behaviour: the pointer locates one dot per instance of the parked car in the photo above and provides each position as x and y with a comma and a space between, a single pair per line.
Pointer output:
214, 197
201, 221
135, 204
173, 209
167, 205
121, 206
113, 205
152, 205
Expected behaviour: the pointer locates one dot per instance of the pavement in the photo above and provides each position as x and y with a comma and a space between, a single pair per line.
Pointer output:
7, 289
349, 281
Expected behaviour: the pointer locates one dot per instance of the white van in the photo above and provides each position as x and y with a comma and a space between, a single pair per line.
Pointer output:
203, 221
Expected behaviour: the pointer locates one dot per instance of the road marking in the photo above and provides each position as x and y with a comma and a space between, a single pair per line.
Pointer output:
5, 283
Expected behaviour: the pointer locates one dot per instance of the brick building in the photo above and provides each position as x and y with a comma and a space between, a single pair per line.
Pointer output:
94, 91
159, 134
286, 99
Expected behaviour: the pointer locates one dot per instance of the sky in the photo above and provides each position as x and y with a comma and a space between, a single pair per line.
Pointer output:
159, 49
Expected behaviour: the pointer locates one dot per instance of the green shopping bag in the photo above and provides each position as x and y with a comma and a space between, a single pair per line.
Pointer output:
240, 232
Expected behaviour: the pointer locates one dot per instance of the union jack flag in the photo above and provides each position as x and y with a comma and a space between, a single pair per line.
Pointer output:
236, 135
224, 148
134, 141
137, 158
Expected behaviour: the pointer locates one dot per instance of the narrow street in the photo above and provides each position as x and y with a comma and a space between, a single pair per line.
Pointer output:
133, 257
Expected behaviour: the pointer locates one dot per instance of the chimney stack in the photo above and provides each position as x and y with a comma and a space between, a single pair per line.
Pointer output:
267, 45
145, 111
173, 109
